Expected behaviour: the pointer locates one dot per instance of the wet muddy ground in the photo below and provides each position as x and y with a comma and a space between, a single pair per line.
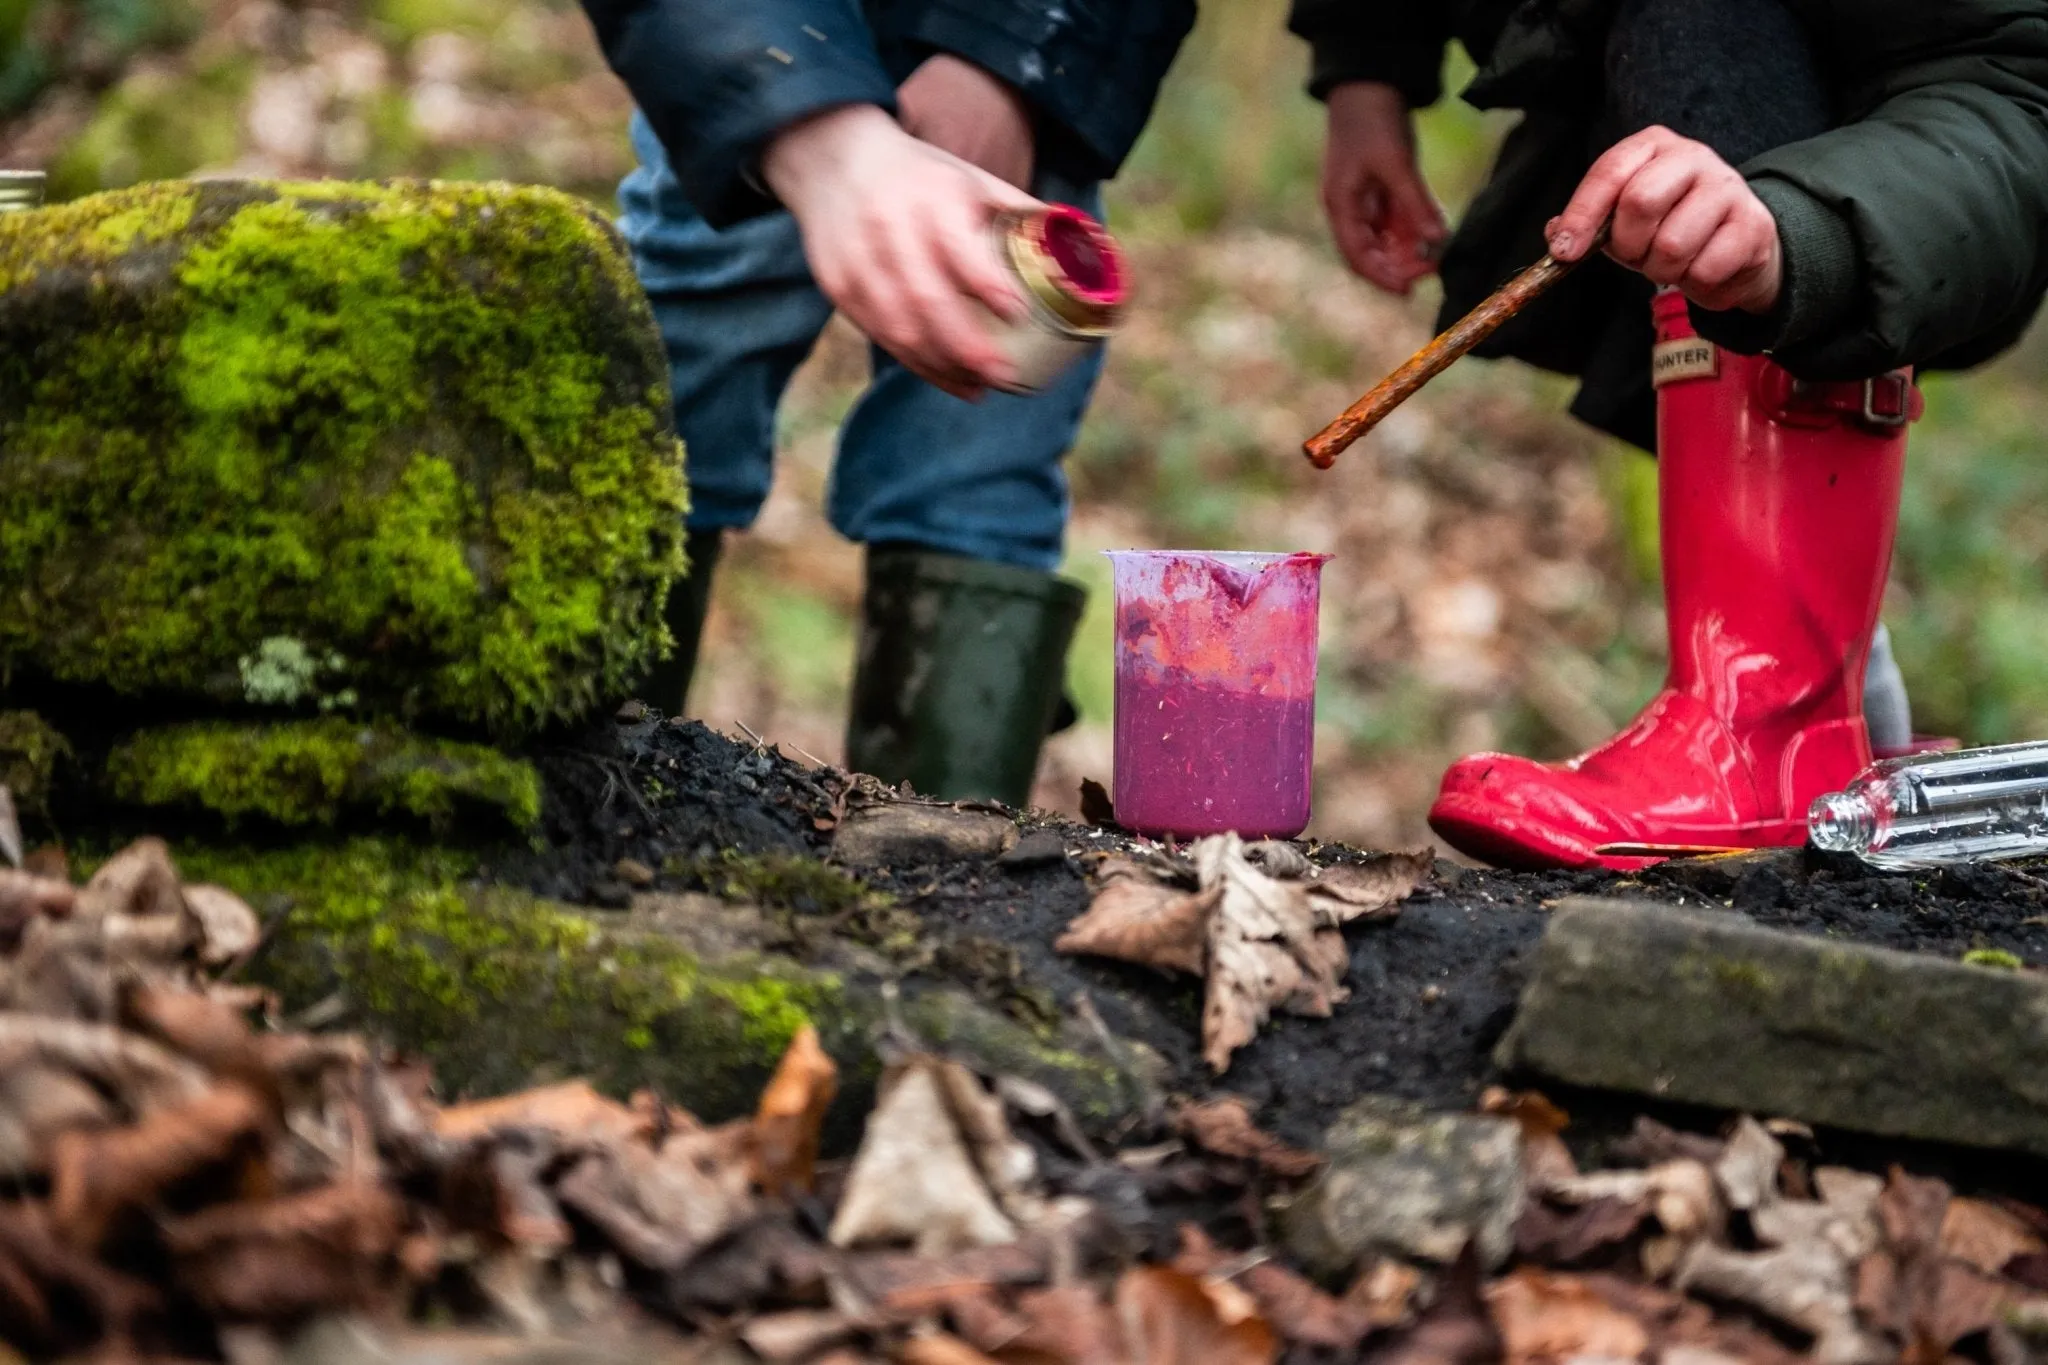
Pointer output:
1432, 989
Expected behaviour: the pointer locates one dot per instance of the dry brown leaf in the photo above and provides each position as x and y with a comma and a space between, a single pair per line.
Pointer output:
36, 1104
796, 1334
1066, 1325
26, 1323
790, 1113
48, 860
1747, 1169
1266, 937
915, 1179
24, 896
1651, 1143
112, 1302
662, 1208
906, 1287
1685, 1331
140, 881
1986, 1236
1681, 1193
1298, 1310
1807, 1285
227, 926
938, 1348
979, 1316
1372, 888
765, 1259
1134, 917
524, 1211
281, 1258
206, 1031
1266, 951
1223, 1127
1545, 1158
573, 1111
96, 1175
140, 1075
1169, 1317
1911, 1290
1547, 1317
1554, 1237
1456, 1328
1531, 1110
1384, 1293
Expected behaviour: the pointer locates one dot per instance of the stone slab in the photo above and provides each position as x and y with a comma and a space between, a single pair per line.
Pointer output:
1707, 1007
1402, 1181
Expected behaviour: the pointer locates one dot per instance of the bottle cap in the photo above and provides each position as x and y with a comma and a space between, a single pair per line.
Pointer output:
1070, 264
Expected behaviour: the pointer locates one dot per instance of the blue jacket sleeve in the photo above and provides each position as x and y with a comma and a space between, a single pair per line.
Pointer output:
717, 79
1091, 69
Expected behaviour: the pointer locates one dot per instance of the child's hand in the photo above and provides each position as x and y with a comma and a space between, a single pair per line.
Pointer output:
958, 107
1387, 225
1682, 216
897, 233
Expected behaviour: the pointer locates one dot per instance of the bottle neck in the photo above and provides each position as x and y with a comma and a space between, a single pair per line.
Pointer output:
1842, 822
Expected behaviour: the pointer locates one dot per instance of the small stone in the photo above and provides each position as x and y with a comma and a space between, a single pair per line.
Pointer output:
611, 895
1708, 1007
631, 713
1403, 1181
1040, 848
912, 834
633, 873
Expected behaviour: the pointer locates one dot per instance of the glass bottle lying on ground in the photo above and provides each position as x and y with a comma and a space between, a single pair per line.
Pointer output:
1924, 810
1215, 691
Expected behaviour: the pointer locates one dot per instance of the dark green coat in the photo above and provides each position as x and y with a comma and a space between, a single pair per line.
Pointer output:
1915, 229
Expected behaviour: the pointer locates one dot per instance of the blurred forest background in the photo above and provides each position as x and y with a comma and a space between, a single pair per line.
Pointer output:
1495, 580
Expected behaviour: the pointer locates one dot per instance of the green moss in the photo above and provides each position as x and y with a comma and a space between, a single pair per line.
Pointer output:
30, 750
785, 881
498, 987
1735, 976
1994, 957
774, 1008
420, 430
808, 899
310, 771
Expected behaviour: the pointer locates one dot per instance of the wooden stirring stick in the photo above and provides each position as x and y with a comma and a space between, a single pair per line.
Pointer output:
1325, 446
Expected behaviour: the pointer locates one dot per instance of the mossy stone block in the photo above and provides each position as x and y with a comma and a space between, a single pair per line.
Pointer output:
1705, 1007
304, 772
405, 448
500, 989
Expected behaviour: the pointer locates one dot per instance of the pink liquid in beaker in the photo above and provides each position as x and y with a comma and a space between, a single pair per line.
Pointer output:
1215, 691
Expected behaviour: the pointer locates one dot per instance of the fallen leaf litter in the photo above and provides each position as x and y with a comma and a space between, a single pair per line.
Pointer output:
192, 1181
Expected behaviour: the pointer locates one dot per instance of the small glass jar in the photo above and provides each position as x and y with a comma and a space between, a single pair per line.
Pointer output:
1075, 285
21, 190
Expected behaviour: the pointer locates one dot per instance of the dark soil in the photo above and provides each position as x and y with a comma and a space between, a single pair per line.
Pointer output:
1432, 990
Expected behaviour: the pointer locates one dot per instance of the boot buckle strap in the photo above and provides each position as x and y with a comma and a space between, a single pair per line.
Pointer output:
1903, 404
1884, 402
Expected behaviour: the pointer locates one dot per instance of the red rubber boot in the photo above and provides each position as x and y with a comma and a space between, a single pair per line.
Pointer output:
1778, 500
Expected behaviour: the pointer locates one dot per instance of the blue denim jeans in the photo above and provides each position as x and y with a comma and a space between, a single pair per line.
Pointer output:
739, 312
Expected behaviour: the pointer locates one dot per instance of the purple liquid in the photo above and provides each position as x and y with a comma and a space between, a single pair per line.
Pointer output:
1194, 760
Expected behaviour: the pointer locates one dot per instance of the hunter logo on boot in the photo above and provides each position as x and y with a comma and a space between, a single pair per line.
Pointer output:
1683, 358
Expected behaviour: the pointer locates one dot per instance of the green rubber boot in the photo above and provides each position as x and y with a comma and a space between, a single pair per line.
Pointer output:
667, 688
961, 669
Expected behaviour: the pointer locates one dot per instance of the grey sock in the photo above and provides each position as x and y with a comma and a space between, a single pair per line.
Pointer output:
1886, 709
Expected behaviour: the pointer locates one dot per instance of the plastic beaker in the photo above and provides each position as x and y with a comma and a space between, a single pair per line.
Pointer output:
1215, 691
